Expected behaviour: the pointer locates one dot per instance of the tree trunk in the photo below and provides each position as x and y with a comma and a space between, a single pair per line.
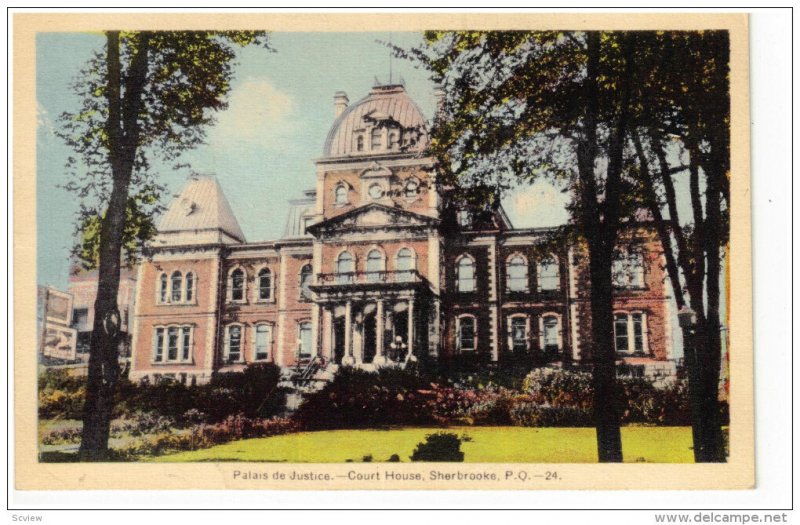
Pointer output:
104, 346
604, 377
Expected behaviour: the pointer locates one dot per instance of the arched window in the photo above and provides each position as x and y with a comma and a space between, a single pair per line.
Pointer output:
162, 288
375, 266
394, 140
550, 337
404, 264
411, 189
304, 340
547, 274
233, 343
466, 334
306, 274
465, 274
189, 287
376, 137
517, 274
177, 287
262, 342
340, 197
360, 143
237, 285
518, 333
345, 268
264, 284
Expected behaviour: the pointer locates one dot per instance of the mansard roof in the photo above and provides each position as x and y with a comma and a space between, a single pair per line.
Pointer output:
373, 216
384, 103
201, 206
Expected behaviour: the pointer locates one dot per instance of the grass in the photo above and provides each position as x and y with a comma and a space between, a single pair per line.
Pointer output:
488, 445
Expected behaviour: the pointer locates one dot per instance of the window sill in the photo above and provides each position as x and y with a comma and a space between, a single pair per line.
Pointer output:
172, 363
193, 303
264, 301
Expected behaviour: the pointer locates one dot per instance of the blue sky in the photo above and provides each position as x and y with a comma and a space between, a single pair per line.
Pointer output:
263, 147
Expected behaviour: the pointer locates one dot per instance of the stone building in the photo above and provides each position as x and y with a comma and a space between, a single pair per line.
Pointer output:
376, 266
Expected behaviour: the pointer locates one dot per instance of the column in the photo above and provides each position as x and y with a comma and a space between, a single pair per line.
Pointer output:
327, 333
380, 358
315, 330
348, 343
410, 356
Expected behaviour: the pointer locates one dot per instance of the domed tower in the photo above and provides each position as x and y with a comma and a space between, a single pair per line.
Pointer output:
375, 229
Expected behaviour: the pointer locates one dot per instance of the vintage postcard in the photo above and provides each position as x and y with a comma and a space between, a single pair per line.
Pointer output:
361, 251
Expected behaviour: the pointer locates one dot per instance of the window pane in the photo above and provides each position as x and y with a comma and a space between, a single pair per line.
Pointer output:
187, 337
412, 188
466, 333
550, 333
621, 332
405, 264
519, 336
177, 284
264, 284
172, 344
360, 143
234, 343
376, 139
394, 140
638, 342
162, 295
374, 266
341, 195
466, 275
262, 341
189, 286
548, 275
345, 267
158, 351
305, 340
305, 281
517, 277
237, 285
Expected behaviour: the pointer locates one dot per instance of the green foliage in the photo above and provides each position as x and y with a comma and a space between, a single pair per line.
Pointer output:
172, 84
441, 446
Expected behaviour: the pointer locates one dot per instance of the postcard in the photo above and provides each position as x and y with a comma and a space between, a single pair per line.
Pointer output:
382, 251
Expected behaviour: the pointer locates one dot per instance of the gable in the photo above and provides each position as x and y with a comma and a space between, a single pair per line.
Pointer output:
373, 217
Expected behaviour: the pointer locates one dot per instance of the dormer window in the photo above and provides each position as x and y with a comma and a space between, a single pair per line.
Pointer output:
411, 189
340, 195
376, 139
394, 140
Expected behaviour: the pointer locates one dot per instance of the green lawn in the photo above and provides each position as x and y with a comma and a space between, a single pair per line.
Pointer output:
488, 445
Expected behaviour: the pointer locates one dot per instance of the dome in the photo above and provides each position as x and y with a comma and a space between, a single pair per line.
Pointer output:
386, 107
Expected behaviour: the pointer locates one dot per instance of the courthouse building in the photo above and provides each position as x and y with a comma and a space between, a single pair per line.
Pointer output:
377, 267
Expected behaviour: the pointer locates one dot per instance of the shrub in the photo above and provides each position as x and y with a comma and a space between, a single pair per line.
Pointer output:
61, 404
441, 446
526, 414
356, 398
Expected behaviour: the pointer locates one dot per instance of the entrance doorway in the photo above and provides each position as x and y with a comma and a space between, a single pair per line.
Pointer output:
370, 323
338, 341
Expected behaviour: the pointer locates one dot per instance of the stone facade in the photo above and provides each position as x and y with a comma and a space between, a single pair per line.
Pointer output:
376, 267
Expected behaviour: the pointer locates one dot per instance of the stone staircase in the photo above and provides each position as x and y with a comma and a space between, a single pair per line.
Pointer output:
305, 379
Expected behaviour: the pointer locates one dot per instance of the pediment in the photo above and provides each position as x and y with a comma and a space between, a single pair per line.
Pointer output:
376, 170
373, 217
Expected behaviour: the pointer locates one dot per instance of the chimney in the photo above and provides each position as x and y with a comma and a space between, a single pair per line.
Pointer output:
438, 94
340, 101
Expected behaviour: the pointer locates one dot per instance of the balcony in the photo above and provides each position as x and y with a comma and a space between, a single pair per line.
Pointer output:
368, 278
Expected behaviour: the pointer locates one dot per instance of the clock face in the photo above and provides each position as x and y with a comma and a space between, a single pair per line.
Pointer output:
375, 191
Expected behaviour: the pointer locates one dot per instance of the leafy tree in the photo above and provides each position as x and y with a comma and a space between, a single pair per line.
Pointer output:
147, 96
521, 105
685, 129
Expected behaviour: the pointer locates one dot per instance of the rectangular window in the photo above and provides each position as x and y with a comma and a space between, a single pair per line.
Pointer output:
263, 339
80, 319
548, 276
305, 340
466, 334
172, 343
158, 351
519, 335
187, 342
638, 339
621, 333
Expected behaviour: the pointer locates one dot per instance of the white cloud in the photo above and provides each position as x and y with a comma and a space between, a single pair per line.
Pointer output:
258, 114
538, 205
43, 120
